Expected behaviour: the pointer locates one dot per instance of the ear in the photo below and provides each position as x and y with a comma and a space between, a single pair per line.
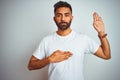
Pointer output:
72, 17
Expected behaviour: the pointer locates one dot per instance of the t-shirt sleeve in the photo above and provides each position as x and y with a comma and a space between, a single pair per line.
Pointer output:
92, 46
40, 51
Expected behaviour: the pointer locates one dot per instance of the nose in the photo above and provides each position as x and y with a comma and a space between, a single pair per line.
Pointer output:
63, 18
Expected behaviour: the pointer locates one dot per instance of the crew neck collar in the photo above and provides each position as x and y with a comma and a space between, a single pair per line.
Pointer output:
67, 36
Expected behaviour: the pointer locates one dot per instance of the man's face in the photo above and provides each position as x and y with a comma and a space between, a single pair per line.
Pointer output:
63, 18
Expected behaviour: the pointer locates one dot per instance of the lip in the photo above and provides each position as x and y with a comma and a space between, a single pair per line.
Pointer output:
63, 23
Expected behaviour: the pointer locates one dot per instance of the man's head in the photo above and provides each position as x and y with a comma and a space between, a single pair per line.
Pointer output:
63, 15
62, 4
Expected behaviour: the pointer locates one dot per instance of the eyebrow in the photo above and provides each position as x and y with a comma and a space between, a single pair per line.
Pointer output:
67, 13
64, 13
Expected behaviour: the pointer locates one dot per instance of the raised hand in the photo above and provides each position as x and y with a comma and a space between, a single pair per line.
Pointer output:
98, 23
59, 56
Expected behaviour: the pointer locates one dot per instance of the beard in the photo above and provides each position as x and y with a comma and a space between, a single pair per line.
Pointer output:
63, 25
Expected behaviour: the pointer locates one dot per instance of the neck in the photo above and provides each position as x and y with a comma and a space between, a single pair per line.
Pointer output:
64, 32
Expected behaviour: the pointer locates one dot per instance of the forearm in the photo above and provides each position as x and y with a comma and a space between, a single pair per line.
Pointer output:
38, 64
104, 44
56, 57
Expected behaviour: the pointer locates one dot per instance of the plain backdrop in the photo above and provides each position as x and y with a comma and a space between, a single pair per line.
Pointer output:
23, 23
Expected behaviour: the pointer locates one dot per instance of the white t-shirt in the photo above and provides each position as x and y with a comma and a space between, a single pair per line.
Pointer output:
71, 69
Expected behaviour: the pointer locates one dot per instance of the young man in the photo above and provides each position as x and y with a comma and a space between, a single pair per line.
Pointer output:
64, 50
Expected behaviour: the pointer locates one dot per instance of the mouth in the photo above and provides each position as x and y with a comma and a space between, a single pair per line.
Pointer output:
63, 23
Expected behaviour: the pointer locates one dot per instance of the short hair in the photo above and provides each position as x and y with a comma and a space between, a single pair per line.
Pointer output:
62, 4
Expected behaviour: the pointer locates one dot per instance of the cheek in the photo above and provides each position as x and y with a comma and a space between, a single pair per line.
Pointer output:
69, 19
57, 20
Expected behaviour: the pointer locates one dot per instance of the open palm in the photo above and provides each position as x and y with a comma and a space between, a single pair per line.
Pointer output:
98, 23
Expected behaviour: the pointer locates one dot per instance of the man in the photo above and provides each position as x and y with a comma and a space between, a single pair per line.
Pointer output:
63, 51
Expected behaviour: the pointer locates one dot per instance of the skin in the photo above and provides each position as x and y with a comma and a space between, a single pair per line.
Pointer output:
64, 16
104, 50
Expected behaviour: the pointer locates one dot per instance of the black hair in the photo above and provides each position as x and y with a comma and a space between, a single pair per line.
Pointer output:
62, 4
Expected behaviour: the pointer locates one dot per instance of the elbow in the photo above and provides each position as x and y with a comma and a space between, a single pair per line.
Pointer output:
30, 68
107, 58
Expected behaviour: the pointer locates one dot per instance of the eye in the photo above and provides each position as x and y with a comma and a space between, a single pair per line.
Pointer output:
67, 14
58, 15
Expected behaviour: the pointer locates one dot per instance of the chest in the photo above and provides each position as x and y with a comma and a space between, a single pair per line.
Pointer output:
75, 46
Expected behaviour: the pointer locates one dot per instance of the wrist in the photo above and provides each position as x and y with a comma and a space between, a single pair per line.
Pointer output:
102, 34
49, 59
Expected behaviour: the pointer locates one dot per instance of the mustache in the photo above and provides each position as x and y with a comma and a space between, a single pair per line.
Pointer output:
63, 23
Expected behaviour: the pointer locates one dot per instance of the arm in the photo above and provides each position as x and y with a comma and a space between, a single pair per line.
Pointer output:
35, 63
104, 50
57, 56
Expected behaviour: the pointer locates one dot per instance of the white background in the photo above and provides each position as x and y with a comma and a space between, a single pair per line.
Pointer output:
23, 23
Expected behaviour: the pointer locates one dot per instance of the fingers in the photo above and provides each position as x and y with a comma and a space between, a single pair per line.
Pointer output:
68, 53
65, 54
96, 17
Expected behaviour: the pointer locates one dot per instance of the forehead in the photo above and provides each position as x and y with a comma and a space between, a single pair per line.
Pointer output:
63, 10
